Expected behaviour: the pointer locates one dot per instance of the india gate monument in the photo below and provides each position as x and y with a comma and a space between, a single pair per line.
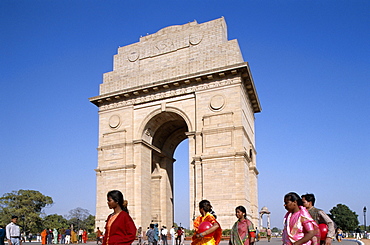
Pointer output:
183, 82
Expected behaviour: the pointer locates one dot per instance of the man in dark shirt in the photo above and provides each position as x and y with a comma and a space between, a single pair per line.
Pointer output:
150, 234
2, 235
68, 236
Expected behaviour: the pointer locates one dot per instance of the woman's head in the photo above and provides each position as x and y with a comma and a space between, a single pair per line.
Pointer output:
292, 201
116, 197
205, 205
240, 212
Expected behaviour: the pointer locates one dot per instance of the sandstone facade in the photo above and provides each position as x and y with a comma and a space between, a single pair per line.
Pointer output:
183, 82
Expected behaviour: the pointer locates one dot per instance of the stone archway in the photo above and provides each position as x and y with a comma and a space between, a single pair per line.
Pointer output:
185, 81
164, 132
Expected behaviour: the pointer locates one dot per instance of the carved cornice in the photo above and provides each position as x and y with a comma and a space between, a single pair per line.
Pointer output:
226, 155
254, 169
111, 146
181, 85
147, 144
115, 168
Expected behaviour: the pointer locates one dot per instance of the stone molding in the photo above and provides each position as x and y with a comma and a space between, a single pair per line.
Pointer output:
170, 88
119, 167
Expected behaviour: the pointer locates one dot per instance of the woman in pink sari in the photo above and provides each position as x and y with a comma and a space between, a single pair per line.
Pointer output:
299, 227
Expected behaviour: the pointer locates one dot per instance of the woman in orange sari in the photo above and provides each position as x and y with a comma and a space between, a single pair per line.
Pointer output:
211, 236
43, 237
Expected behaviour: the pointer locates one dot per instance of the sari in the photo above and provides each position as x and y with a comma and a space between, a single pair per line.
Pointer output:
55, 235
213, 240
297, 224
43, 236
73, 236
109, 224
84, 236
241, 232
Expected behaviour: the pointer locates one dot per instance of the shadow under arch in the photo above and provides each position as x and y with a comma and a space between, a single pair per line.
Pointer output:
150, 117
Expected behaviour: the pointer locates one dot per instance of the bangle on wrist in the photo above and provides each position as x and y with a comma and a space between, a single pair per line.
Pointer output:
200, 234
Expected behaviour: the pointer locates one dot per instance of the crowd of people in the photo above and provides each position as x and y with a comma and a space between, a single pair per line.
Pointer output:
63, 236
302, 224
48, 236
155, 236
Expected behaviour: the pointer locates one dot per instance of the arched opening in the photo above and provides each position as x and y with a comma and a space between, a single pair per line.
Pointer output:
164, 132
181, 184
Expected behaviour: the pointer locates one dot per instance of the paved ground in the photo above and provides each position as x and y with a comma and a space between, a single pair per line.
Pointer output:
277, 241
274, 241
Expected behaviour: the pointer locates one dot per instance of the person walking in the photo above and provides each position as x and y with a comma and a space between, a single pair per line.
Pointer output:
242, 232
172, 233
164, 235
62, 233
55, 235
99, 236
182, 236
299, 227
150, 234
156, 234
44, 235
74, 237
179, 234
320, 217
2, 235
49, 237
257, 234
211, 236
80, 233
13, 232
120, 228
339, 235
268, 233
84, 236
140, 236
68, 236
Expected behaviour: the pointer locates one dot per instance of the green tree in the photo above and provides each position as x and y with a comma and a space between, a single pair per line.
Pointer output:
55, 221
79, 218
90, 223
344, 217
275, 229
27, 205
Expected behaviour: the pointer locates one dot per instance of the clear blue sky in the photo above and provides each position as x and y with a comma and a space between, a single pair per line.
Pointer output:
309, 59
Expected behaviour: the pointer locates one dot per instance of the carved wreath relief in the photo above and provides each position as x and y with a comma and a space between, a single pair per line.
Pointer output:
114, 121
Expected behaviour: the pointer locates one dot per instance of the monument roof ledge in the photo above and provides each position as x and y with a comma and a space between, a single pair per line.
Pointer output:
242, 67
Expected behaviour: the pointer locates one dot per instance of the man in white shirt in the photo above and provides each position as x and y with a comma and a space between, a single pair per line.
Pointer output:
13, 232
172, 232
164, 235
80, 232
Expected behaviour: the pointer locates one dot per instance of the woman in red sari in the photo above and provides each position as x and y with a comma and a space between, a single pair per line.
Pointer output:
211, 236
84, 236
120, 228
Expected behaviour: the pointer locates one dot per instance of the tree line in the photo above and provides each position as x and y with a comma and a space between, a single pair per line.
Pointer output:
28, 205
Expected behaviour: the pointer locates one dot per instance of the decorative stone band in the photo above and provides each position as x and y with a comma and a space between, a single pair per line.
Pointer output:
116, 168
182, 85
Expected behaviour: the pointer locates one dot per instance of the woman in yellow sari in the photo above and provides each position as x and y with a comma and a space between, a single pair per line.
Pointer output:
73, 236
211, 236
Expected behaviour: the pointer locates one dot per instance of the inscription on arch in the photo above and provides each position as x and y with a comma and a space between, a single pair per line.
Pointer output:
156, 48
